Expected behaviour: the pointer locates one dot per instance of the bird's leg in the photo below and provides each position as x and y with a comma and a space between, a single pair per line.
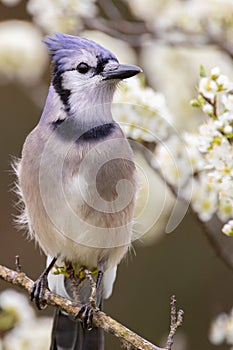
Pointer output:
101, 268
92, 298
86, 310
74, 282
40, 285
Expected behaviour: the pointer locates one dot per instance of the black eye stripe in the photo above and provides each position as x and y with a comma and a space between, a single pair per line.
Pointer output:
100, 65
84, 67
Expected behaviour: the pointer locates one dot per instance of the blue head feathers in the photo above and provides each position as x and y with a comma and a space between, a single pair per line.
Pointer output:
63, 46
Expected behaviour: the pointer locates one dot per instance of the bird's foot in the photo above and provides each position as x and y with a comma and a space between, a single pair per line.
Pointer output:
86, 312
38, 290
39, 287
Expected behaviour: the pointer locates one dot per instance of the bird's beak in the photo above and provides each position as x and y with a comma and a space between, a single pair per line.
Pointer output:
123, 71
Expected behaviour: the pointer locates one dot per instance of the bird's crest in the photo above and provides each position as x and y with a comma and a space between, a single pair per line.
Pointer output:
62, 46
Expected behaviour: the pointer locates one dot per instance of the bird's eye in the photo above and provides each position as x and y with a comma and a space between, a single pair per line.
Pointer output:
82, 68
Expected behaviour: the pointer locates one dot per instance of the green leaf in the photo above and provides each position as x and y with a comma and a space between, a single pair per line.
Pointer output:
195, 103
202, 71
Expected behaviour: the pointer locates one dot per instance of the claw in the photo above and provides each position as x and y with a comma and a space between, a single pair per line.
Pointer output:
86, 314
38, 291
89, 318
39, 287
86, 311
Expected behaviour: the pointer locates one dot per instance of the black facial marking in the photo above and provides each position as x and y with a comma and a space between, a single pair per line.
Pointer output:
63, 93
101, 62
98, 132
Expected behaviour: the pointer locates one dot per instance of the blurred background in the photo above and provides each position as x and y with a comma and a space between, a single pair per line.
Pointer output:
169, 40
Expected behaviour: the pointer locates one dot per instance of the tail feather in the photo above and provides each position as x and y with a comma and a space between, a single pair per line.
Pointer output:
70, 334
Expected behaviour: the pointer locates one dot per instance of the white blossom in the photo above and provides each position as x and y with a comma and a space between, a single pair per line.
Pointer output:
227, 129
227, 101
205, 197
229, 329
22, 55
221, 329
191, 14
173, 158
228, 228
224, 123
218, 155
224, 83
208, 133
215, 72
18, 304
27, 332
60, 15
141, 111
195, 157
218, 329
226, 192
34, 334
218, 179
146, 9
226, 117
208, 109
225, 209
208, 87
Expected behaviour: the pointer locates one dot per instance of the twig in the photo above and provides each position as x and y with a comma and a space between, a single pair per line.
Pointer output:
221, 244
212, 103
17, 265
100, 319
176, 322
134, 30
110, 9
219, 41
135, 40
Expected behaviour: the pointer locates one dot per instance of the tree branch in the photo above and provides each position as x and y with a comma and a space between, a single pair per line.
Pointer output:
128, 338
135, 30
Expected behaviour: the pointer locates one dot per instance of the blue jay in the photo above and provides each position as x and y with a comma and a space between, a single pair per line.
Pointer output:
78, 182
